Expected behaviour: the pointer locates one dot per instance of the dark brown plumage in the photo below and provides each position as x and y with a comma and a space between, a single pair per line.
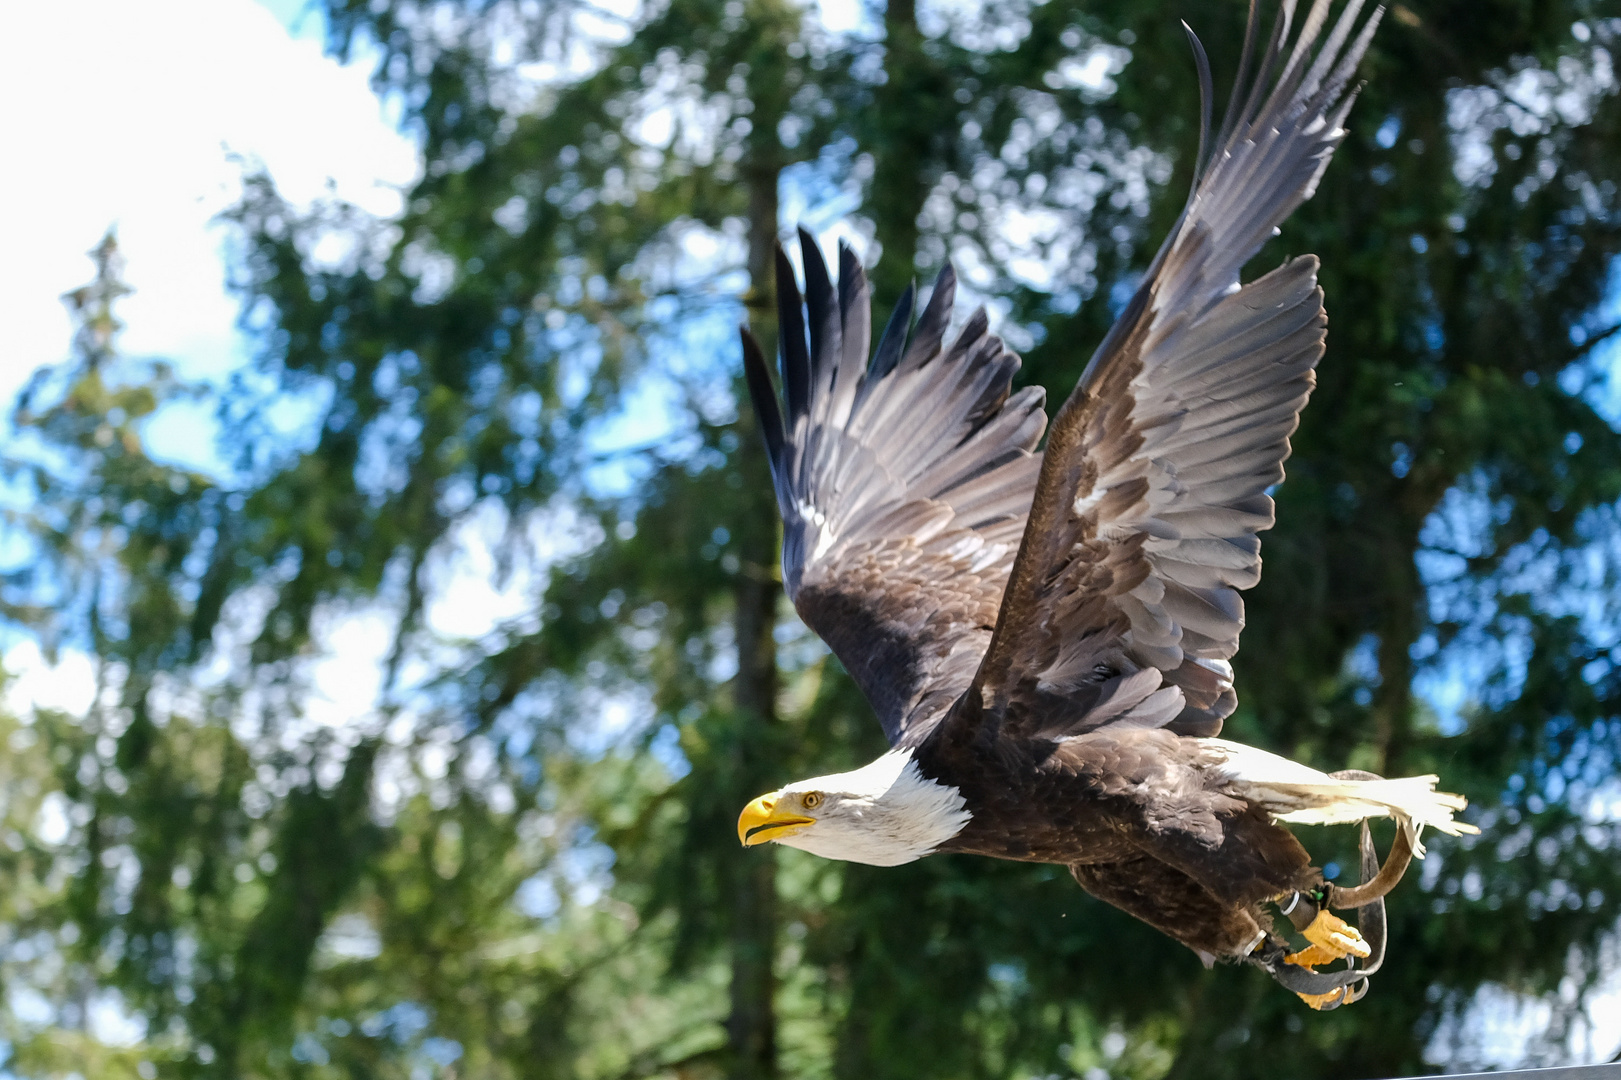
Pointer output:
1045, 634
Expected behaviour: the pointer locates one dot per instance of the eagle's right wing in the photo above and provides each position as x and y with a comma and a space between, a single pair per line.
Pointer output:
903, 484
1123, 602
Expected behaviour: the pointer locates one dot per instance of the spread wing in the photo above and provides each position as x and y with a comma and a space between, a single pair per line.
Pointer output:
903, 484
1123, 605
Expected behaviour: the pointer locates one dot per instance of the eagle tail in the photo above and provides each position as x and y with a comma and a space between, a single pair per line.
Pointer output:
1300, 795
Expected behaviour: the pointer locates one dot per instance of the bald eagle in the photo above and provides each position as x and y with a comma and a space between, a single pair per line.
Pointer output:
1045, 634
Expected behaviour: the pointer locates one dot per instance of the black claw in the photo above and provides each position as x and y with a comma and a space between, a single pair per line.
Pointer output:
1370, 918
1306, 981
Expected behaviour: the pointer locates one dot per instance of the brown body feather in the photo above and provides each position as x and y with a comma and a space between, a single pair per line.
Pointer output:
1115, 801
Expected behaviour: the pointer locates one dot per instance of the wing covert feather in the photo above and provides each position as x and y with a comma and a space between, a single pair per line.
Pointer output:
1156, 473
903, 485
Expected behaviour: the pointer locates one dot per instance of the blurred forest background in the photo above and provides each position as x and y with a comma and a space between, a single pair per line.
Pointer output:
519, 859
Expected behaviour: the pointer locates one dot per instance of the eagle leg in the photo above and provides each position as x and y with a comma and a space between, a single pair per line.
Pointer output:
1331, 937
1315, 922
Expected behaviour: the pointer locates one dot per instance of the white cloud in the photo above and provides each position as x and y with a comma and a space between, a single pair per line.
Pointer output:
110, 1020
468, 598
29, 1005
127, 114
347, 678
52, 825
844, 16
67, 686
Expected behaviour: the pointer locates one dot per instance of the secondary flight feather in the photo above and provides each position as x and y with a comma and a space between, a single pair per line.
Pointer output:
1045, 630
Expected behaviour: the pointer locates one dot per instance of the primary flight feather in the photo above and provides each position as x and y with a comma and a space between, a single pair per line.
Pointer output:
1045, 631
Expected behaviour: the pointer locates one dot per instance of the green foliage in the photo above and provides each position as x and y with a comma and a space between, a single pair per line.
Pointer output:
481, 875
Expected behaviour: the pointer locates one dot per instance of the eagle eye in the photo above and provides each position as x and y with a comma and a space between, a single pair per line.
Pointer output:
812, 799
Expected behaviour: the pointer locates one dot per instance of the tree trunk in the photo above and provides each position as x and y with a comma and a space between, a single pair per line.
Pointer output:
752, 1024
903, 148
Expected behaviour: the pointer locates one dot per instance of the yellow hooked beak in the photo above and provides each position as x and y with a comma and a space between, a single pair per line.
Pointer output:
761, 822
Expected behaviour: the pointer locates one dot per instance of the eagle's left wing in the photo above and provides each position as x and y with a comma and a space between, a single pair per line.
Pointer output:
903, 483
1123, 606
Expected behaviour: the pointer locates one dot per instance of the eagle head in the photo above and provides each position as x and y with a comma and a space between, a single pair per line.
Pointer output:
882, 814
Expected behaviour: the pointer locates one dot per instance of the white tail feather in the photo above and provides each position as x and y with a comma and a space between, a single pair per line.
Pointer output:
1298, 794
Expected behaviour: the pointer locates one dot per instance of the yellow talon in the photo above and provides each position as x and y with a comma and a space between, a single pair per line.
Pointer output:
1312, 955
1323, 1001
1331, 939
1336, 937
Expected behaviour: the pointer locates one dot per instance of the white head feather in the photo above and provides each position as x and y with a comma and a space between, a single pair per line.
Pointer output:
882, 814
